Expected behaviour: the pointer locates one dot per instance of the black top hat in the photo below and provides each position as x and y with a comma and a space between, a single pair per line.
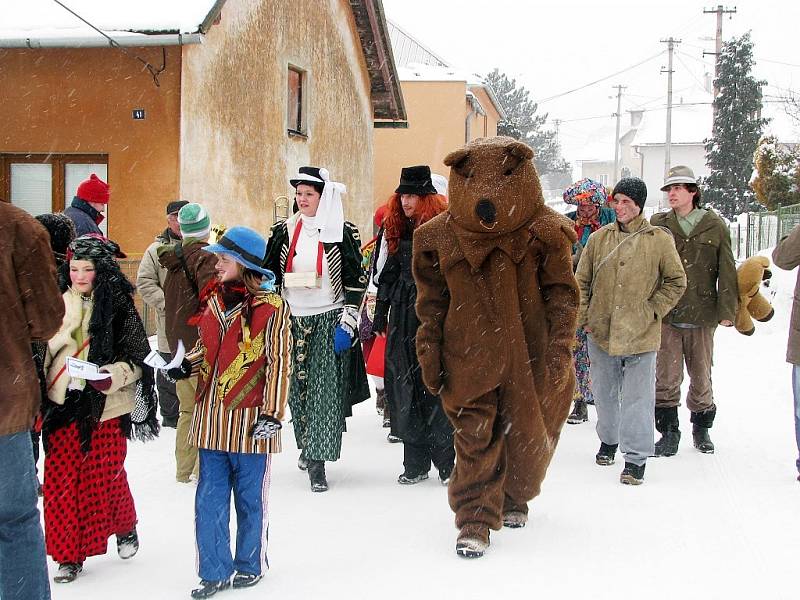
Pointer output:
308, 175
416, 180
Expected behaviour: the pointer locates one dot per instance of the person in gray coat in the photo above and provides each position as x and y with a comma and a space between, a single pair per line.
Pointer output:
787, 256
150, 285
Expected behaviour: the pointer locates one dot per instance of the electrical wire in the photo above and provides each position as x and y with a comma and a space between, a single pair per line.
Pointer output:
154, 71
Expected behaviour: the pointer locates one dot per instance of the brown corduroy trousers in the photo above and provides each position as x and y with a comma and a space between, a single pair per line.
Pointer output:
695, 347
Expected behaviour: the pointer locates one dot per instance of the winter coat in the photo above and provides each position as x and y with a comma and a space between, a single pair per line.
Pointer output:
629, 281
84, 216
182, 291
120, 397
787, 256
238, 379
32, 311
712, 291
150, 283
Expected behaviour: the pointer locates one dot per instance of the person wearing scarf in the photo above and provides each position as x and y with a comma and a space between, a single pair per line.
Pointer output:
86, 424
316, 258
416, 414
242, 359
591, 214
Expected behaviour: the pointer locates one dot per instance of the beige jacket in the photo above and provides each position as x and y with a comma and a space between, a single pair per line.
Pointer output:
121, 396
787, 256
150, 284
628, 282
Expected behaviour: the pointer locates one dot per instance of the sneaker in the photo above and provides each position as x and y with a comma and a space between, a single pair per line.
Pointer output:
128, 545
393, 439
209, 588
407, 479
245, 580
632, 474
515, 519
67, 572
605, 456
579, 414
387, 422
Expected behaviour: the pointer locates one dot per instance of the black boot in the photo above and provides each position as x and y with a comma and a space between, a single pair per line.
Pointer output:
605, 456
667, 425
579, 414
701, 423
316, 474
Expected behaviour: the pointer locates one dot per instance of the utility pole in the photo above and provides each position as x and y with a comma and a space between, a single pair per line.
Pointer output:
719, 11
668, 140
557, 125
615, 176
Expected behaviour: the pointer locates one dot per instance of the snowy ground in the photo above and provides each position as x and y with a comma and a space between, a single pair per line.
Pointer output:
719, 526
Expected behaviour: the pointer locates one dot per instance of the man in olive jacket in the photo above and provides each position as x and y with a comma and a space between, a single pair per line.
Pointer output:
687, 332
630, 277
787, 256
33, 310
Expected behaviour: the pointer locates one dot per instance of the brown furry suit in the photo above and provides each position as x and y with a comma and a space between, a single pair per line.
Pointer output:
497, 303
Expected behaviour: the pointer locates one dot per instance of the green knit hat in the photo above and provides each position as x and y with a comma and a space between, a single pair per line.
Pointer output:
194, 222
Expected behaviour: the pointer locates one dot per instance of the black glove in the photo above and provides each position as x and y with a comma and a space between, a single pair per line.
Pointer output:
265, 427
182, 372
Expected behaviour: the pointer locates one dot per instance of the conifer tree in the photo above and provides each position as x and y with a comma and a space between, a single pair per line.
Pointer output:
737, 129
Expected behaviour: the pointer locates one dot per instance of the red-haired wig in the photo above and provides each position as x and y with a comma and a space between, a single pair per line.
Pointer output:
394, 220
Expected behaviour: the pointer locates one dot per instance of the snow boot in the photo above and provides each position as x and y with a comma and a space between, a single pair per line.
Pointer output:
632, 474
316, 474
409, 479
67, 572
579, 414
667, 426
128, 545
245, 580
444, 475
605, 456
209, 588
515, 519
472, 541
302, 461
701, 423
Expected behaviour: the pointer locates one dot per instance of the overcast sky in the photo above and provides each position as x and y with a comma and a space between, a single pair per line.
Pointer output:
553, 47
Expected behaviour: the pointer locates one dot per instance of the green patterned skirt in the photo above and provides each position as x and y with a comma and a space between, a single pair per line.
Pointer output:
316, 394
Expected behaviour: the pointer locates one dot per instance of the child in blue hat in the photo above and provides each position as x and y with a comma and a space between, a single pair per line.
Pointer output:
242, 360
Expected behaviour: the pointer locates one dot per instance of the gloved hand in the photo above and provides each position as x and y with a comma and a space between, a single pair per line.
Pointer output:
265, 427
182, 372
342, 339
101, 385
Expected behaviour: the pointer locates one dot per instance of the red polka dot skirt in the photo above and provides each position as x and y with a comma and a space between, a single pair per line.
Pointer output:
86, 496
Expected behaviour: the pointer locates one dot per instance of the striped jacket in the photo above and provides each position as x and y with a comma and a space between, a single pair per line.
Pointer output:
225, 410
348, 279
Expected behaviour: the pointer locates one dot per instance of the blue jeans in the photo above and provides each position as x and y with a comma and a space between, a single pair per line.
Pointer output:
23, 563
248, 476
796, 392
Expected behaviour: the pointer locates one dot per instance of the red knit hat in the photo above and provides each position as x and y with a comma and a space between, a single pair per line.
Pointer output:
93, 189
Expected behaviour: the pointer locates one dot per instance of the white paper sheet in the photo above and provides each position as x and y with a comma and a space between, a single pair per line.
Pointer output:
81, 369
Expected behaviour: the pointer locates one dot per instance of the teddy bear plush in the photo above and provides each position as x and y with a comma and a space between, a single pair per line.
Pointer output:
497, 304
752, 303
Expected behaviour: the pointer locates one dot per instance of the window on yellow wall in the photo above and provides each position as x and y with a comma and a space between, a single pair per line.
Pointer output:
295, 117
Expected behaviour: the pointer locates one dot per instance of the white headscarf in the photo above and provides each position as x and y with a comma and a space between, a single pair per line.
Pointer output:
440, 183
330, 212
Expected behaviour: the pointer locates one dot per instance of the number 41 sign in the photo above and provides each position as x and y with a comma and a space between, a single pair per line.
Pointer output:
138, 114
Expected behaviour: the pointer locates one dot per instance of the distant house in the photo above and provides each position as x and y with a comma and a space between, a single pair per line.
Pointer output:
446, 108
215, 102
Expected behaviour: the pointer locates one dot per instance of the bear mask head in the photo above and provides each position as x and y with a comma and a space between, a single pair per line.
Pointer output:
494, 187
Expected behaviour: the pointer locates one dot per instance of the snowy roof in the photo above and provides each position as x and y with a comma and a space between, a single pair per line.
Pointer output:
407, 49
691, 124
45, 20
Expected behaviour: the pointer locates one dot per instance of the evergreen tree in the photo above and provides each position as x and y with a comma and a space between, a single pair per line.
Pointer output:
737, 128
522, 123
777, 180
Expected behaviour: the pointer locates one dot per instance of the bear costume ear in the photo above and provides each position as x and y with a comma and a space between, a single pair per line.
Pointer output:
519, 150
455, 157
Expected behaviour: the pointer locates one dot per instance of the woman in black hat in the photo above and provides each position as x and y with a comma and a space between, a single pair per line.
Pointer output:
316, 258
416, 415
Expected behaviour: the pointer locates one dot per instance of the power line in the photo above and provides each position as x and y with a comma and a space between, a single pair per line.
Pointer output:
572, 91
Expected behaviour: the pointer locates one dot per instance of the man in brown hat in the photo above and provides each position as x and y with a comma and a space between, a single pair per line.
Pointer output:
687, 331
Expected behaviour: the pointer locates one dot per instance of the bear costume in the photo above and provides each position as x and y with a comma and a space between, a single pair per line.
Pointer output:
497, 304
752, 304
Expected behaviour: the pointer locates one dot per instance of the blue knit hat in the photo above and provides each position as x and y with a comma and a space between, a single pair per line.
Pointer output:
246, 247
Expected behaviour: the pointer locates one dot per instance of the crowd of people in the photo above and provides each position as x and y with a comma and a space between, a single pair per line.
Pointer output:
302, 315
